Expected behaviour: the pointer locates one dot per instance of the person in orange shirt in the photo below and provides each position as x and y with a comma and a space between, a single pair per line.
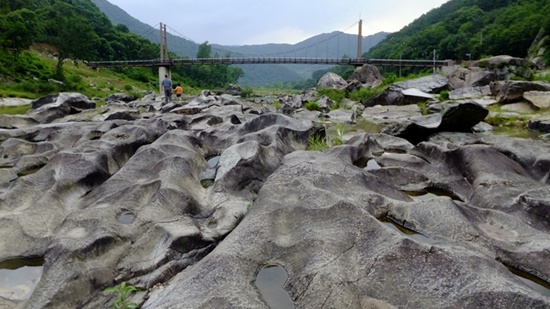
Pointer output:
179, 92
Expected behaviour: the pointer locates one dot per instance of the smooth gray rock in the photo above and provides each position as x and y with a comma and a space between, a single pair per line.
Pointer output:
189, 208
470, 93
512, 91
331, 80
368, 75
540, 99
460, 117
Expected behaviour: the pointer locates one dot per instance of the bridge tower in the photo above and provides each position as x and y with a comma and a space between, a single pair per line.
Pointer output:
360, 40
163, 69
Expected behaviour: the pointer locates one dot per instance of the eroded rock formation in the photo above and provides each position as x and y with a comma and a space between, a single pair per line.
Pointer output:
189, 201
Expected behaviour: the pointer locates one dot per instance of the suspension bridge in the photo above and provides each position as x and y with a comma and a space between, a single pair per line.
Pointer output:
164, 62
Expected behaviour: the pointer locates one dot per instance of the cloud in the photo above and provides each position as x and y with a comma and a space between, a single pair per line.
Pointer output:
242, 22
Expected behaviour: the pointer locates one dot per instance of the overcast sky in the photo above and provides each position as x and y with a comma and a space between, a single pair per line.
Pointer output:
247, 22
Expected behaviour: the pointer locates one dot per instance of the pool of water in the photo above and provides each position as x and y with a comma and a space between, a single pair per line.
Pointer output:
19, 278
540, 286
270, 281
372, 165
213, 162
431, 194
126, 217
409, 233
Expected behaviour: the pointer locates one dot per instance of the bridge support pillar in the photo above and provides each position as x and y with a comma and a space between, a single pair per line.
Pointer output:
162, 72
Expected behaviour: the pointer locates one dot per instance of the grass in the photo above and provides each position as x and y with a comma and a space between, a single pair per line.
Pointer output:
38, 79
423, 108
14, 110
317, 143
363, 94
543, 76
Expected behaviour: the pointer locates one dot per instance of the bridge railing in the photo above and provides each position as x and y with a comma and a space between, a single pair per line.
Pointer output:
270, 60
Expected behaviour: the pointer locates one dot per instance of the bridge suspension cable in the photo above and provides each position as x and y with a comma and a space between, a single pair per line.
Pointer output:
296, 52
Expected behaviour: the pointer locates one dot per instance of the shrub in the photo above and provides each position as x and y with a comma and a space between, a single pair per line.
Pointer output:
312, 106
335, 95
247, 92
363, 94
444, 95
124, 291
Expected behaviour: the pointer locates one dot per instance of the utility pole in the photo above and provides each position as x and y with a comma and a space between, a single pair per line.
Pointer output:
360, 40
434, 60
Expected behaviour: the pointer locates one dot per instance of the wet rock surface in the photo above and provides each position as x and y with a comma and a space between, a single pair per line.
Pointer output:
190, 203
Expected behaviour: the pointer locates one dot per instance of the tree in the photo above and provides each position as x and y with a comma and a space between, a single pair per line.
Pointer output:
18, 29
71, 34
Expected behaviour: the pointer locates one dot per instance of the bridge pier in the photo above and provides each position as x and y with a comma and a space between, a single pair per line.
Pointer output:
162, 72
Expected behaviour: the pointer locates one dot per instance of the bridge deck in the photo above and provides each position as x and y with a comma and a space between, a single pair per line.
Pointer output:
270, 60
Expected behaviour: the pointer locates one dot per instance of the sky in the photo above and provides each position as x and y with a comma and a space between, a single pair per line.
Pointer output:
250, 22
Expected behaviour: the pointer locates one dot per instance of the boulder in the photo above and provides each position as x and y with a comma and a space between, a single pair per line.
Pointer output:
14, 102
368, 75
461, 77
397, 96
331, 80
512, 91
540, 99
507, 67
458, 117
521, 107
470, 92
390, 114
233, 90
69, 99
120, 97
434, 83
539, 124
16, 121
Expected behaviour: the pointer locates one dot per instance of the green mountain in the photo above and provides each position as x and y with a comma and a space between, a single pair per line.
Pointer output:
470, 29
328, 45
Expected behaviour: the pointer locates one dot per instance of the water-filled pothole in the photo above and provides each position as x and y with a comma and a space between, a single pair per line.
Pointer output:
431, 193
126, 217
533, 282
19, 278
207, 183
408, 232
213, 162
30, 170
372, 165
270, 282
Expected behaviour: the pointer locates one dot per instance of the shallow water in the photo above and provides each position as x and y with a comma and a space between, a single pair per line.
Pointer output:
270, 282
18, 279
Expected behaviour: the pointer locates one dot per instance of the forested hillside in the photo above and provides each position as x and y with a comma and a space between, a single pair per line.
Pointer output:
78, 30
464, 29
